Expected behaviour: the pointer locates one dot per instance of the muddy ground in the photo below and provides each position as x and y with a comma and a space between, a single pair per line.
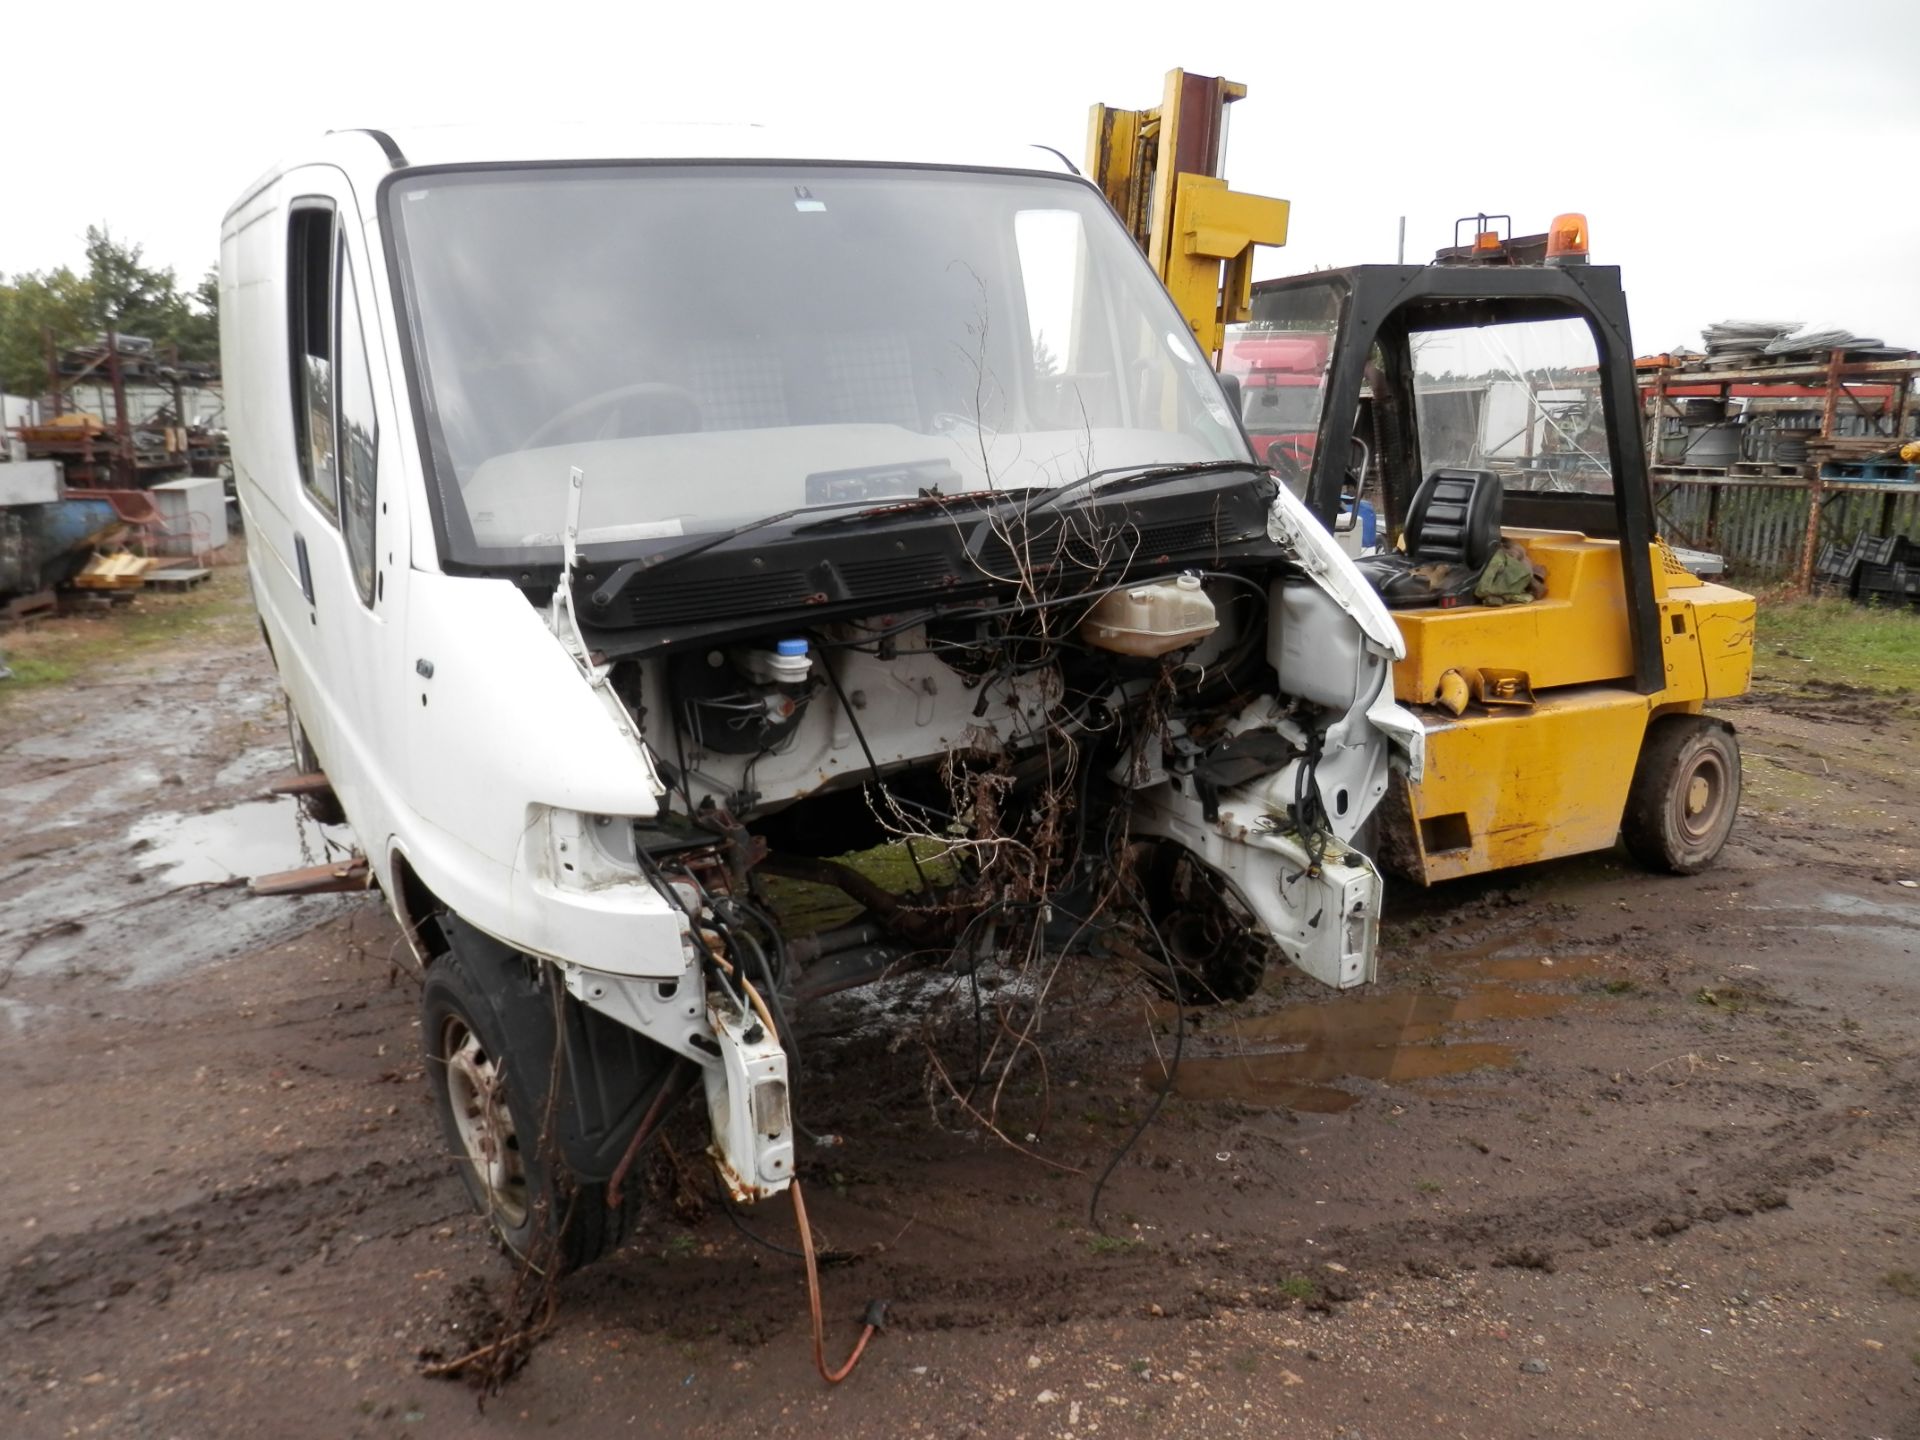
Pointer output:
1602, 1155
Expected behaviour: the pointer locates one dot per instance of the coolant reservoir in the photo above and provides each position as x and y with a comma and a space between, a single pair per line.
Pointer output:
1151, 619
788, 663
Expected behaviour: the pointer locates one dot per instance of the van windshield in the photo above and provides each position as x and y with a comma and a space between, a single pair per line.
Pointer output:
713, 344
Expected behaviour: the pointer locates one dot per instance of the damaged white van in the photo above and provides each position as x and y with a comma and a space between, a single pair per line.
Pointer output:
637, 523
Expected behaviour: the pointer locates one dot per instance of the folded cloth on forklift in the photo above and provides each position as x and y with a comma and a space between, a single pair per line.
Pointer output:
1406, 586
1510, 577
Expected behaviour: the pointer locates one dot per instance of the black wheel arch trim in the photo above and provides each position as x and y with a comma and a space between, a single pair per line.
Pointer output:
608, 1074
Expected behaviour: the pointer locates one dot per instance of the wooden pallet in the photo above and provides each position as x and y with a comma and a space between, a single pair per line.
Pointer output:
24, 607
118, 571
178, 578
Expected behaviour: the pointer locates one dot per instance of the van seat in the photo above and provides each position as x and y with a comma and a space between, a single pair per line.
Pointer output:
870, 381
740, 385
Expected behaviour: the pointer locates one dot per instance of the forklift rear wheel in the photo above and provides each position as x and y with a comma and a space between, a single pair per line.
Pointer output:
490, 1115
1686, 791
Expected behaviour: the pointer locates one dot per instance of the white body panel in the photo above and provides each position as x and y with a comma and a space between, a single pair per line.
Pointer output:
470, 743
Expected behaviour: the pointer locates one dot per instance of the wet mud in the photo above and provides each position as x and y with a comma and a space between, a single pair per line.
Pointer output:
1655, 1138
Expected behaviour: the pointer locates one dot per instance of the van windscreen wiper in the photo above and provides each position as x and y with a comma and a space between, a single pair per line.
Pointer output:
1143, 474
605, 592
916, 503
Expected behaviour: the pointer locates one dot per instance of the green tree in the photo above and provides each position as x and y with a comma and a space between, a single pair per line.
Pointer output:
197, 332
133, 299
118, 292
30, 305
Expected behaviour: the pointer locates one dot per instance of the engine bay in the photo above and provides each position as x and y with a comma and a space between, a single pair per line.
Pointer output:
1165, 758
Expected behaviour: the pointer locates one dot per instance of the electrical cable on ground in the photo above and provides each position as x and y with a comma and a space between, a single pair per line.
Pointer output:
1166, 1086
876, 1312
747, 1232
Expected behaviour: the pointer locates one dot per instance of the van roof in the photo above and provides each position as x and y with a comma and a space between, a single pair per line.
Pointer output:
370, 152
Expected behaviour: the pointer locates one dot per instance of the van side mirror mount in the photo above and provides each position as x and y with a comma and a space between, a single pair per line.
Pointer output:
1231, 385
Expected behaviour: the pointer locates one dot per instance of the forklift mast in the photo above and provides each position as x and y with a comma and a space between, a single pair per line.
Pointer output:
1160, 170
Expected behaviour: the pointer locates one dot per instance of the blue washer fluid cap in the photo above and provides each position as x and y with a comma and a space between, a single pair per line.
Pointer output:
790, 647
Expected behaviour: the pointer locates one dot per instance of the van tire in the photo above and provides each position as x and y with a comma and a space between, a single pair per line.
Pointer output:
1210, 949
538, 1210
1685, 794
321, 809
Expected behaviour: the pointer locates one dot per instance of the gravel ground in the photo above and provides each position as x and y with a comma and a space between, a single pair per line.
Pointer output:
1602, 1155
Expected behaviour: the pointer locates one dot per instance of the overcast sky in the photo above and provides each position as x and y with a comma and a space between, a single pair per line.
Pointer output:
1750, 160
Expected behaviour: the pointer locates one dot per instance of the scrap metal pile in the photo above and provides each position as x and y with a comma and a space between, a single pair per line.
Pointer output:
1745, 342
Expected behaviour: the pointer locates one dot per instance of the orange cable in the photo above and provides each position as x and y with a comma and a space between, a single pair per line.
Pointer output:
832, 1377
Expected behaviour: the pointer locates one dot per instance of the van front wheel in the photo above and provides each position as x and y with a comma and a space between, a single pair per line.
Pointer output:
491, 1112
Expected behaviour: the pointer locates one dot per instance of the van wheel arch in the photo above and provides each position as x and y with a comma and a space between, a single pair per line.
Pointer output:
422, 914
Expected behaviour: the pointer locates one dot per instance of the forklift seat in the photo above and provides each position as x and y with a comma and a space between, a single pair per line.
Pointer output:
1455, 518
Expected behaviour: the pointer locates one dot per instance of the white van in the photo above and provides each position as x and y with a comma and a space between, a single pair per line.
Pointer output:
635, 522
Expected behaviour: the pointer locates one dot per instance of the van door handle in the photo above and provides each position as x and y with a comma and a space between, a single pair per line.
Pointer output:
306, 566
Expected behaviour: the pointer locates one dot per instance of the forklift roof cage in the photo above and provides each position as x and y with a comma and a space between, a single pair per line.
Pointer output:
1383, 304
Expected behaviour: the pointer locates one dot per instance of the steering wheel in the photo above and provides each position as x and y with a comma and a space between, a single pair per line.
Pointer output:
1284, 463
652, 390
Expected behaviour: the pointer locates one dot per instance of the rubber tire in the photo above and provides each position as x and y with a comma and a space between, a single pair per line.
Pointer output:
568, 1222
1679, 748
1234, 970
321, 809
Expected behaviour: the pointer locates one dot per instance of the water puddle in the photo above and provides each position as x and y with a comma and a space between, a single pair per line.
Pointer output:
258, 837
1292, 1057
1906, 912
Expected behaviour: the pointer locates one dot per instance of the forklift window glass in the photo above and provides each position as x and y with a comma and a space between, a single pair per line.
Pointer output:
1522, 400
706, 343
1281, 356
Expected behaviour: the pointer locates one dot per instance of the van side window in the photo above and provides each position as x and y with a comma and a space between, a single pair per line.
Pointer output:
310, 330
359, 435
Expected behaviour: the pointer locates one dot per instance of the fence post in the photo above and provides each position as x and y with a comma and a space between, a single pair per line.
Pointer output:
1816, 482
1658, 421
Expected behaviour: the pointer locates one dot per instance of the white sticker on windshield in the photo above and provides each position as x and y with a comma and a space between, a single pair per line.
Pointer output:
638, 530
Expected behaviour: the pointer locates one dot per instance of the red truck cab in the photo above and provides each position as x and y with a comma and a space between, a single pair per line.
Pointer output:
1280, 374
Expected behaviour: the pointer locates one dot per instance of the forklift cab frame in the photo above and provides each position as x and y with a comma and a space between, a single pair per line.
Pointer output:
1384, 306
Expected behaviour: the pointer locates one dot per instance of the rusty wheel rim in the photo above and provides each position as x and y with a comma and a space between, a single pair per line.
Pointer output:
1700, 798
477, 1100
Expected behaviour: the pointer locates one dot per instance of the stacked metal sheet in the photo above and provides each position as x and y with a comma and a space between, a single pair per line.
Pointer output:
1749, 342
1741, 340
1821, 341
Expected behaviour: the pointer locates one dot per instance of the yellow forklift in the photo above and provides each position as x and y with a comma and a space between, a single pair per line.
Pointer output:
1489, 400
